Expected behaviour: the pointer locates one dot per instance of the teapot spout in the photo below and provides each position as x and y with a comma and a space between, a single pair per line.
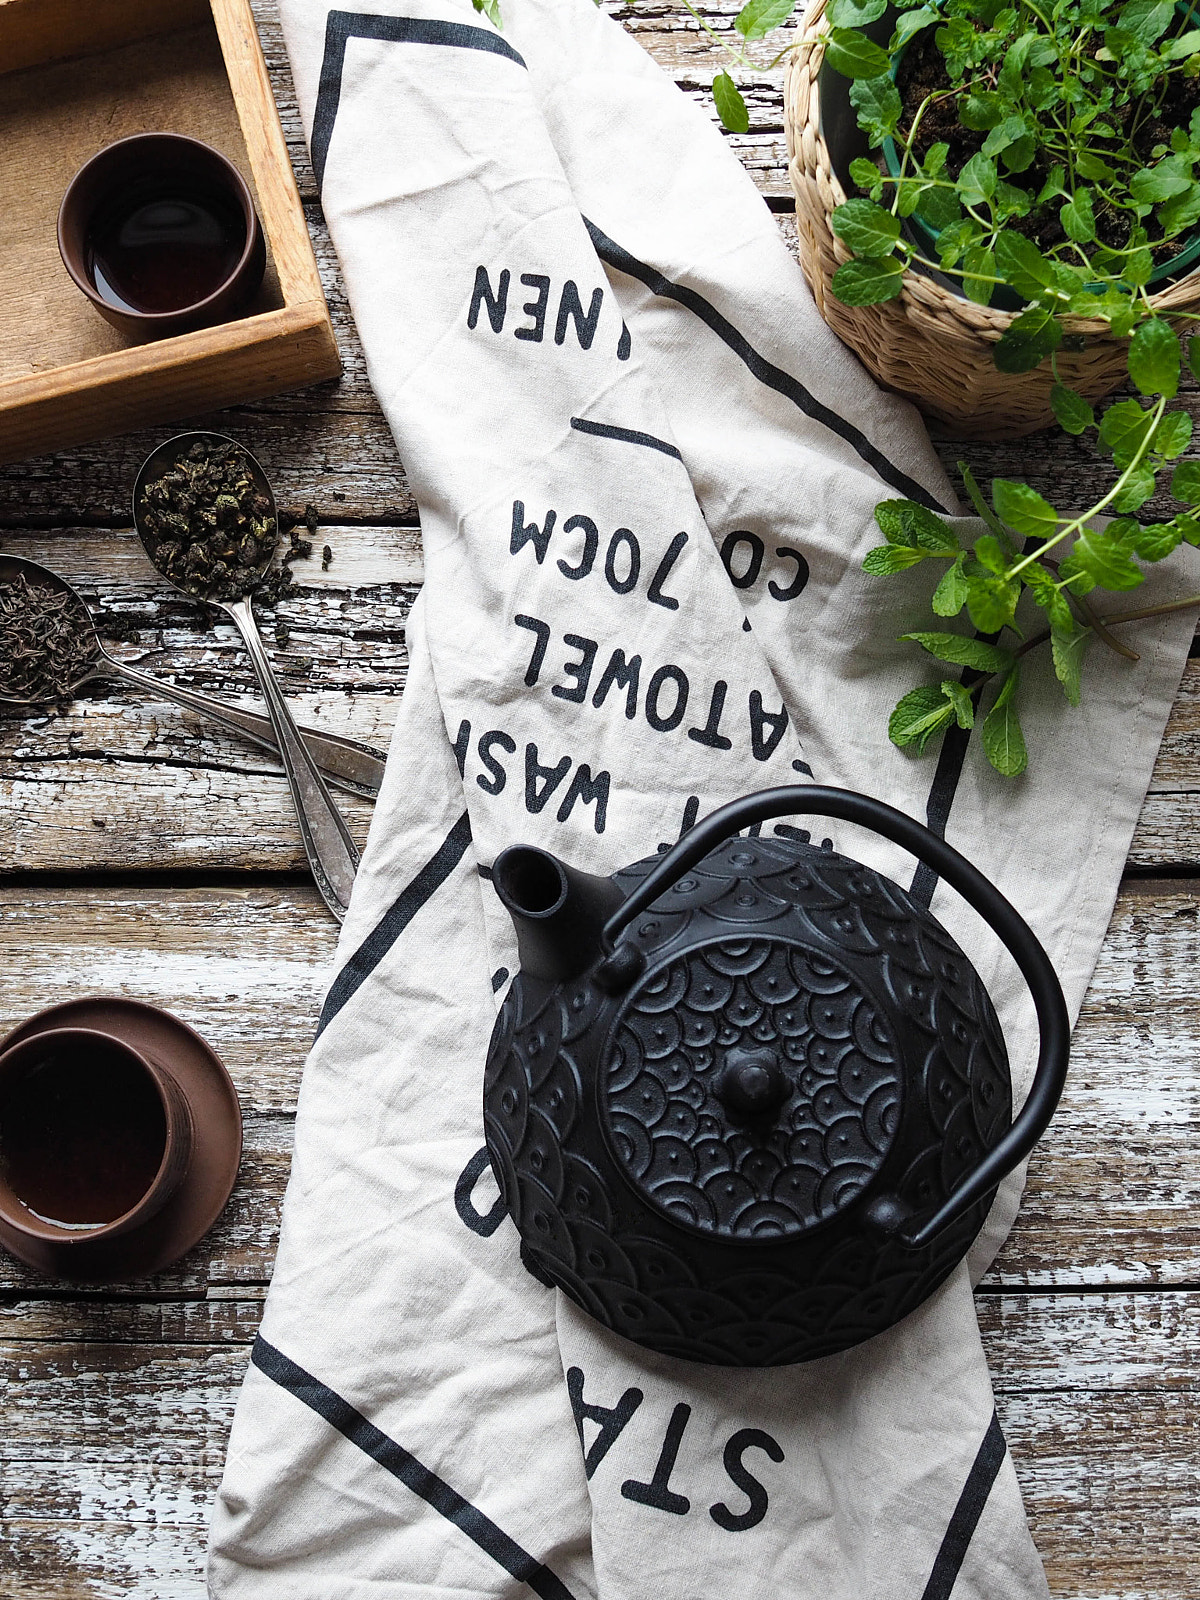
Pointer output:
558, 912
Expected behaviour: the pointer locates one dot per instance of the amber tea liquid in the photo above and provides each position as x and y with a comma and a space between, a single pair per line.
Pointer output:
82, 1136
164, 250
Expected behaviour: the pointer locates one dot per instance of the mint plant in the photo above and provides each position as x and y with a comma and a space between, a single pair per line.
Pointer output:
1076, 134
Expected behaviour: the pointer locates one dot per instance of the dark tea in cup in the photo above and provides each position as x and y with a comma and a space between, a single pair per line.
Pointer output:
93, 1136
159, 231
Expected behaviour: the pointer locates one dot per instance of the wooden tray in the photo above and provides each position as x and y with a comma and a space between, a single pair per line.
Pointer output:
78, 74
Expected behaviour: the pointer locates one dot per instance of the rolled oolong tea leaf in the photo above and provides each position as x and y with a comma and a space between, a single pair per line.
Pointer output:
208, 524
46, 641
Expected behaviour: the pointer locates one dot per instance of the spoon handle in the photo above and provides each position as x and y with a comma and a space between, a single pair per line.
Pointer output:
352, 766
327, 842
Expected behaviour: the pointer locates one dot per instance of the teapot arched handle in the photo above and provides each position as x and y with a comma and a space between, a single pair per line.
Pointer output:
888, 1212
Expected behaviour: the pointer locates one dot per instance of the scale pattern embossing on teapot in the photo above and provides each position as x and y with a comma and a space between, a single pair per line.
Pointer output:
719, 1133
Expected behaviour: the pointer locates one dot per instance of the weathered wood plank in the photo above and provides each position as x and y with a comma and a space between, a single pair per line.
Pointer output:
1114, 1192
149, 766
1095, 1393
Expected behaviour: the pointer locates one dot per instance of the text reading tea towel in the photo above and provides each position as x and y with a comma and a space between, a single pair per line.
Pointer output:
646, 473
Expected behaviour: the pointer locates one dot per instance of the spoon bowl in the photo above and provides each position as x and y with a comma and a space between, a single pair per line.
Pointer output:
354, 767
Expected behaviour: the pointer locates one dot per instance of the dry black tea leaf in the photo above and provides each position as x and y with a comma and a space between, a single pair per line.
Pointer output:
46, 644
208, 525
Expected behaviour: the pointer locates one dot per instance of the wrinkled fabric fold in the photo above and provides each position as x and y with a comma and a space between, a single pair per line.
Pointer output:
646, 474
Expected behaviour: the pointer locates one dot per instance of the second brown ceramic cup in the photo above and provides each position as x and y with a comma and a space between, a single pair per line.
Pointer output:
129, 188
94, 1137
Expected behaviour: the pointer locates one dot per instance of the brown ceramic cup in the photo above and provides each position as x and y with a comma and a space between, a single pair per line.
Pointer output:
95, 1137
178, 219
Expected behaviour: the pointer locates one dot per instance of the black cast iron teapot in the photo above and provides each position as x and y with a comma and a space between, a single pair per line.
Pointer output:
748, 1102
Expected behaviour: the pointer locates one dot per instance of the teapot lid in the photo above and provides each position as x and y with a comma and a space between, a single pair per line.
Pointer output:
752, 1088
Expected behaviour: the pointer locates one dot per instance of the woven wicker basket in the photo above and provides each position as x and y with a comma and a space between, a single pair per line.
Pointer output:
930, 344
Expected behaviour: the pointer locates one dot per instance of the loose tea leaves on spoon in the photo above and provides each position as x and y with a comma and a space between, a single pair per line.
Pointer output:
207, 524
46, 646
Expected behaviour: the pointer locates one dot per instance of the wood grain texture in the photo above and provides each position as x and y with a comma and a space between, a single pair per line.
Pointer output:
117, 1405
1095, 1393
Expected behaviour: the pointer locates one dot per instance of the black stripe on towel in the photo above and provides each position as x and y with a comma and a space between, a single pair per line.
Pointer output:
967, 1513
942, 790
394, 921
394, 1458
765, 371
345, 25
609, 430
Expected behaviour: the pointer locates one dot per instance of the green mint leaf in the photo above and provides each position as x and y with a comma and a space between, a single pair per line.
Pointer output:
1067, 646
866, 283
1023, 509
1123, 427
731, 108
918, 717
957, 238
1072, 412
979, 271
911, 22
865, 173
1029, 338
1089, 165
950, 596
1003, 741
960, 699
1173, 435
991, 600
980, 110
1098, 554
1139, 486
907, 523
1021, 262
1153, 184
866, 228
962, 651
1154, 358
1048, 596
990, 554
853, 55
1155, 541
886, 559
1188, 527
490, 9
854, 13
1146, 20
939, 208
1137, 268
977, 180
1186, 44
1078, 218
757, 18
877, 103
1185, 482
1004, 134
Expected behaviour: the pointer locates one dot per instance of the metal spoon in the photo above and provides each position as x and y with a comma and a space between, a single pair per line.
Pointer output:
355, 767
327, 843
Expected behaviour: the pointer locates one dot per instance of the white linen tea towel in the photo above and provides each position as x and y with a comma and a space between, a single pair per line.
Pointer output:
646, 473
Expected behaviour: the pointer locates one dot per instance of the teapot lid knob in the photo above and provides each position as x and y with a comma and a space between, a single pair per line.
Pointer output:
752, 1083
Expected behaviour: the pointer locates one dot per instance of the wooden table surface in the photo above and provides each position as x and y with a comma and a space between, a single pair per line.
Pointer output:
146, 855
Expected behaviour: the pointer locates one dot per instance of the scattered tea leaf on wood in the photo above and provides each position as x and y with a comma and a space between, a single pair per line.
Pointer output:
208, 524
46, 640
